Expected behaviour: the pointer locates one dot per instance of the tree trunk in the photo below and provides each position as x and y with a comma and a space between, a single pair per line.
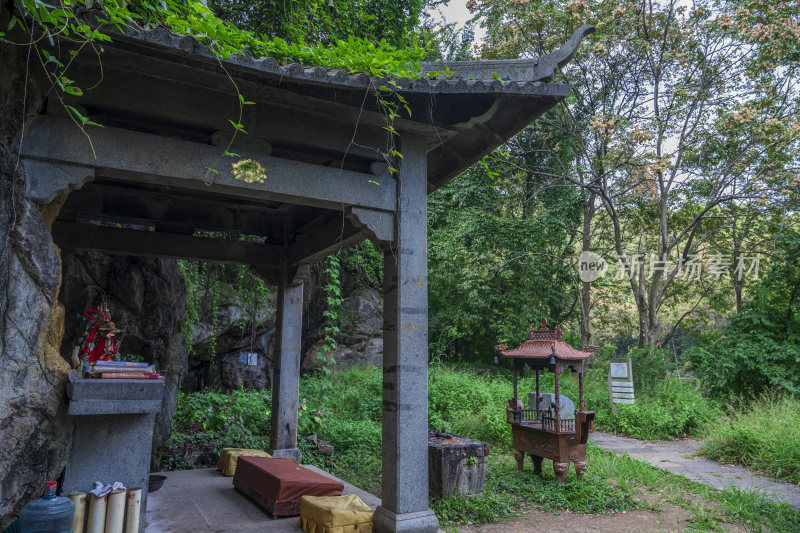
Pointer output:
586, 245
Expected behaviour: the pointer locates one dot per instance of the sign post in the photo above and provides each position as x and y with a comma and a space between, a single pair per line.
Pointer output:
620, 382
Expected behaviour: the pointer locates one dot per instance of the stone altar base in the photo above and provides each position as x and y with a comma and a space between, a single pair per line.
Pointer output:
113, 434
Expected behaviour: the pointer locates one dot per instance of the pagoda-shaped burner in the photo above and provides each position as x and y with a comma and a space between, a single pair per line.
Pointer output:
548, 427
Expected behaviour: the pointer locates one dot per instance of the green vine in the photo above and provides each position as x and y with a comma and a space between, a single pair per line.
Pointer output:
330, 276
206, 283
86, 24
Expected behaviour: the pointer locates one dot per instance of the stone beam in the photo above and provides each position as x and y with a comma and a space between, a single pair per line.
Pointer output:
323, 237
139, 206
165, 161
404, 505
142, 243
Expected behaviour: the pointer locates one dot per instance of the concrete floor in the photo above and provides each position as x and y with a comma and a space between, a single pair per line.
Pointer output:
198, 501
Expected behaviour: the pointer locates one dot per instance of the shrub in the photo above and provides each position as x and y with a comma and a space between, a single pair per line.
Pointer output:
762, 434
206, 422
760, 349
672, 408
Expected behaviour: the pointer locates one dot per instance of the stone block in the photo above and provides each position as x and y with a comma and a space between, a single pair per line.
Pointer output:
456, 465
113, 434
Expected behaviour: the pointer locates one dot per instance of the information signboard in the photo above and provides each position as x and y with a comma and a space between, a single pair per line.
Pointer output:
620, 382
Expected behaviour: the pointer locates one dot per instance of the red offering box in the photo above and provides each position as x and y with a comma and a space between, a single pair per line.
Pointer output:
278, 484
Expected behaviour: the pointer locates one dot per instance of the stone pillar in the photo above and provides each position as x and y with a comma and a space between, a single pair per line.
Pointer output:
286, 372
404, 505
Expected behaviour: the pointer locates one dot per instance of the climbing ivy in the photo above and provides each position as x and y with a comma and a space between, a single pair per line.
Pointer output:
87, 24
330, 278
207, 286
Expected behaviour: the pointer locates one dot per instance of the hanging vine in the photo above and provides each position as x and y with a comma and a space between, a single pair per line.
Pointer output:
79, 25
330, 278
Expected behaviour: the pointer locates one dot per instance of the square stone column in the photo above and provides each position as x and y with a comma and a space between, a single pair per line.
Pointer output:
286, 372
404, 505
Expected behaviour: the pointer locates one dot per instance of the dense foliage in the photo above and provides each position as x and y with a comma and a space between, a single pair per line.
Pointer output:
324, 21
683, 131
344, 408
502, 253
760, 348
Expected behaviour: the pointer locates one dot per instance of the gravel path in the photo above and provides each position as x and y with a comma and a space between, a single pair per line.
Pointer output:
677, 457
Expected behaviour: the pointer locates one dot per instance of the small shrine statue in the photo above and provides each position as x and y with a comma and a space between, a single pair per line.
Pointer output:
101, 339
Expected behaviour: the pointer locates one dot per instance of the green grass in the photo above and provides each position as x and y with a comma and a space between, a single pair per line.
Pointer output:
611, 484
345, 410
507, 492
762, 434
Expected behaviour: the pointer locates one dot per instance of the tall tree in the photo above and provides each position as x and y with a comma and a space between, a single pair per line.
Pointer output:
502, 245
689, 110
324, 20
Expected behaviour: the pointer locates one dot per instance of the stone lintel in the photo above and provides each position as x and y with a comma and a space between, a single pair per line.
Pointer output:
124, 241
45, 181
148, 158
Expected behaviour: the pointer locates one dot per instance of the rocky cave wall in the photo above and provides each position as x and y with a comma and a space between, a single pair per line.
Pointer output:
361, 338
147, 299
35, 430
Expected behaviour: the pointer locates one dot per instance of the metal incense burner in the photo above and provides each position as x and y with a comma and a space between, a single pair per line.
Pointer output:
547, 428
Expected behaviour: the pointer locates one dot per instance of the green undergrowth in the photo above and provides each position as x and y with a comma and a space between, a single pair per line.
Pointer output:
507, 492
470, 404
344, 409
611, 484
762, 434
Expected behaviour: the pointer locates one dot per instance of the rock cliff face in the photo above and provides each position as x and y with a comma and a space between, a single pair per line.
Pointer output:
361, 339
34, 426
361, 326
147, 298
231, 333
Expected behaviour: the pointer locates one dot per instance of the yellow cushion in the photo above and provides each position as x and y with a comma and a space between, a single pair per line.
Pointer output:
229, 456
335, 514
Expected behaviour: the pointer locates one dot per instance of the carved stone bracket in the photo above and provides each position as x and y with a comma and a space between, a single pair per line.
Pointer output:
379, 225
45, 181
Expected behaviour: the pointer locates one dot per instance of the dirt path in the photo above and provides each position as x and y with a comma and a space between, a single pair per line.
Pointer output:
670, 519
676, 457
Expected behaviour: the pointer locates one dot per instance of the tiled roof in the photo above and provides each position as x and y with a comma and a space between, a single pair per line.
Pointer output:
544, 343
518, 76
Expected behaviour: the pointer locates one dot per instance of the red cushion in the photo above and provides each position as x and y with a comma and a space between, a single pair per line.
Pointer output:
283, 480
